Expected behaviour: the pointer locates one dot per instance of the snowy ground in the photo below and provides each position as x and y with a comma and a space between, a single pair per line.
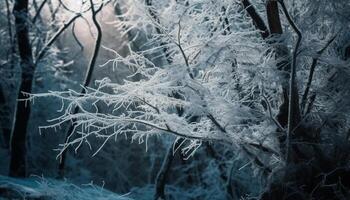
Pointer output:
38, 188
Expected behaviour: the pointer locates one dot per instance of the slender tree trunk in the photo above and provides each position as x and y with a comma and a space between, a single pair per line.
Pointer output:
19, 132
87, 81
271, 35
163, 173
275, 27
289, 112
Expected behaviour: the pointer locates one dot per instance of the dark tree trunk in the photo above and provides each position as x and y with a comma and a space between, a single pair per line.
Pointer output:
19, 132
6, 131
273, 17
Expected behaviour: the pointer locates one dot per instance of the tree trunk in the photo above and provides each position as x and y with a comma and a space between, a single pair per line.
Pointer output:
6, 131
5, 120
19, 132
257, 20
283, 54
87, 81
273, 17
275, 27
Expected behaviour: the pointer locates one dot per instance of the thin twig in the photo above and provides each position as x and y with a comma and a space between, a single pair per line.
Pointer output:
44, 50
76, 38
270, 113
38, 12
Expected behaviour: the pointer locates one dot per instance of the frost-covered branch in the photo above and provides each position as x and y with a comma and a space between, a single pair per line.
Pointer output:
199, 80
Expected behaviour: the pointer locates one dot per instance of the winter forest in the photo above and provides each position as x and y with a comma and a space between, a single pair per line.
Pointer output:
175, 99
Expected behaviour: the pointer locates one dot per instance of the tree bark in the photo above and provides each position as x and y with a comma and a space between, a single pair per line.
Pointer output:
273, 17
19, 132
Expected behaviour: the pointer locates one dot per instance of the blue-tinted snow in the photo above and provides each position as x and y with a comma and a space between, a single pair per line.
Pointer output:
42, 188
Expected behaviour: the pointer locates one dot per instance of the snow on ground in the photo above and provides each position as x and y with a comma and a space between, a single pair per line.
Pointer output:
38, 188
